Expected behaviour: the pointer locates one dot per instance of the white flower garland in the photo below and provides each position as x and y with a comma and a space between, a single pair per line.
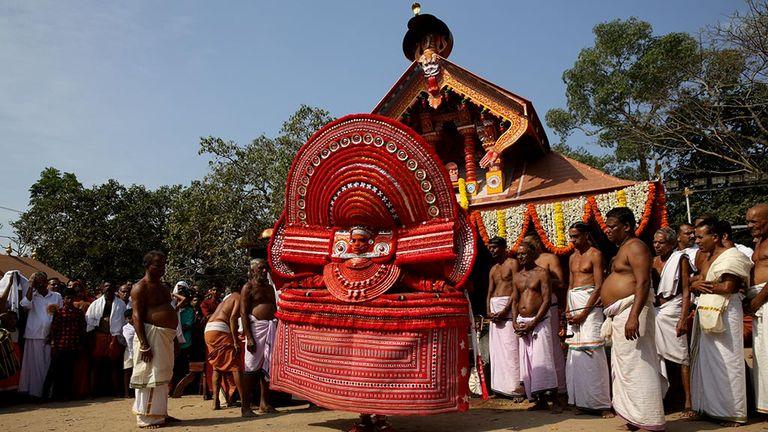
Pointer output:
515, 218
489, 220
573, 211
546, 214
637, 196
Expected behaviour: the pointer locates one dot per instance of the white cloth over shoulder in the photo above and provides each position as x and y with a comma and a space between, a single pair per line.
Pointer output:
19, 285
116, 315
668, 344
638, 382
504, 345
712, 306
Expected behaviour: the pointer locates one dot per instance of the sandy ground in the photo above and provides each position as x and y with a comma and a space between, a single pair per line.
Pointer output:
494, 415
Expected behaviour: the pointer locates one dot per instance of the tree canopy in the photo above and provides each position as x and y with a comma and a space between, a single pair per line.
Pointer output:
672, 98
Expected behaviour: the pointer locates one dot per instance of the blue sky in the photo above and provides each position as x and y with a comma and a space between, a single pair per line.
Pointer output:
124, 90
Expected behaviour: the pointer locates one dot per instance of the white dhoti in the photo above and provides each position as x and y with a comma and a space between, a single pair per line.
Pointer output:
537, 363
718, 380
760, 352
504, 345
151, 379
638, 383
263, 335
587, 375
34, 366
668, 344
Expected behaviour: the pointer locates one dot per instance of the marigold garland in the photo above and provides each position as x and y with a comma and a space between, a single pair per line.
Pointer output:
559, 225
652, 208
501, 223
543, 235
463, 199
621, 198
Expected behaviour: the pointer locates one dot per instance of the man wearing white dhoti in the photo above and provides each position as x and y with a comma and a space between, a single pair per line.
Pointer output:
718, 381
155, 322
671, 272
531, 303
757, 223
504, 344
587, 374
41, 304
638, 383
257, 314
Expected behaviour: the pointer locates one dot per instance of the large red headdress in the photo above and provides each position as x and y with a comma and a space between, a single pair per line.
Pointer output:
368, 175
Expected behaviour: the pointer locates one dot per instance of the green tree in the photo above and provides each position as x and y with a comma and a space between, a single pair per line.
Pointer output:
618, 87
242, 195
694, 107
97, 233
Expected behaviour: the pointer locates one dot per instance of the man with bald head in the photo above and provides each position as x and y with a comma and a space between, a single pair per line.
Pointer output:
257, 312
757, 223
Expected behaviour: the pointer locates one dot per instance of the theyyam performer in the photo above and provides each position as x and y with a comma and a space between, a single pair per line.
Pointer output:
375, 250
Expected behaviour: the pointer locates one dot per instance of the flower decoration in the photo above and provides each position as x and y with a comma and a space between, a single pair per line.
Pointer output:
501, 223
463, 199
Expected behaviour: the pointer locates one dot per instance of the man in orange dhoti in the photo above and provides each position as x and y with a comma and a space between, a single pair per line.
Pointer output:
224, 348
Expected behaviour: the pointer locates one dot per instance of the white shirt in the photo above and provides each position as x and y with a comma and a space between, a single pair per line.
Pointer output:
39, 319
129, 333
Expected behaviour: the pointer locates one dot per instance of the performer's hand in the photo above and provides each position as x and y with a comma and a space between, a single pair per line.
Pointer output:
250, 345
145, 356
632, 328
754, 306
681, 328
237, 347
578, 318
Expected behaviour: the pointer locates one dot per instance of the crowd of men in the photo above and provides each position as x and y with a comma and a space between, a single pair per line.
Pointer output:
684, 304
61, 342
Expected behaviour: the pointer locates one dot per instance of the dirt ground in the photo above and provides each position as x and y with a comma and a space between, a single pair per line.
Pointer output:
494, 415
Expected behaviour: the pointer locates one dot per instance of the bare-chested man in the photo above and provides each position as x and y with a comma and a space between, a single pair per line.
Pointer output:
503, 341
530, 310
671, 272
224, 348
638, 386
757, 223
718, 361
257, 312
551, 263
587, 375
155, 322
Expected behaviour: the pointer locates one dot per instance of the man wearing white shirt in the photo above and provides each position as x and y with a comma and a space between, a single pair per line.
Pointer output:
105, 318
41, 304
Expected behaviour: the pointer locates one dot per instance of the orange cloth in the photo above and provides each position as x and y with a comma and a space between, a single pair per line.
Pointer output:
12, 382
221, 352
106, 346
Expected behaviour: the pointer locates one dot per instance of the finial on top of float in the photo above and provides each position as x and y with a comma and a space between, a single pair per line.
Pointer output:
416, 8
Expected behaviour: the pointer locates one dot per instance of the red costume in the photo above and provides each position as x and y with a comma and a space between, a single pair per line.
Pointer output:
375, 250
